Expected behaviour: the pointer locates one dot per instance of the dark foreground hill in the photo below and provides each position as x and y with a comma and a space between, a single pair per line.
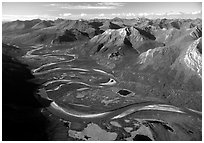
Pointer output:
21, 116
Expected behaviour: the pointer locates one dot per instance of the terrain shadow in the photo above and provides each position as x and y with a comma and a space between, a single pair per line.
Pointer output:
21, 116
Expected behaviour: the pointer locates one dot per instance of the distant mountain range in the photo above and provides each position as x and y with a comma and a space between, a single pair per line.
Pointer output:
41, 31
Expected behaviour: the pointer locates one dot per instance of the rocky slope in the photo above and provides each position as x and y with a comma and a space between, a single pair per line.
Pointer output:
128, 36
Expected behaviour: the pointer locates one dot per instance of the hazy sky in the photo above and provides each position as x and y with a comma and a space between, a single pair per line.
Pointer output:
87, 10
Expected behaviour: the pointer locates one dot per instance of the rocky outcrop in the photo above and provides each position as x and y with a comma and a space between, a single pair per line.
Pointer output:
193, 59
196, 32
133, 37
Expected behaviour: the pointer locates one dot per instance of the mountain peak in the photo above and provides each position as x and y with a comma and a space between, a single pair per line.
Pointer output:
133, 36
193, 58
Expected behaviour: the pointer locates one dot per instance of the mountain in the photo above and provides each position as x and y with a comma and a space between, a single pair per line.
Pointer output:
109, 25
45, 31
15, 26
71, 36
131, 37
166, 62
166, 48
42, 24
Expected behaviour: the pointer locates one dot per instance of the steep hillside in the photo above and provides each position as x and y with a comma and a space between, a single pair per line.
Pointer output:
112, 45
